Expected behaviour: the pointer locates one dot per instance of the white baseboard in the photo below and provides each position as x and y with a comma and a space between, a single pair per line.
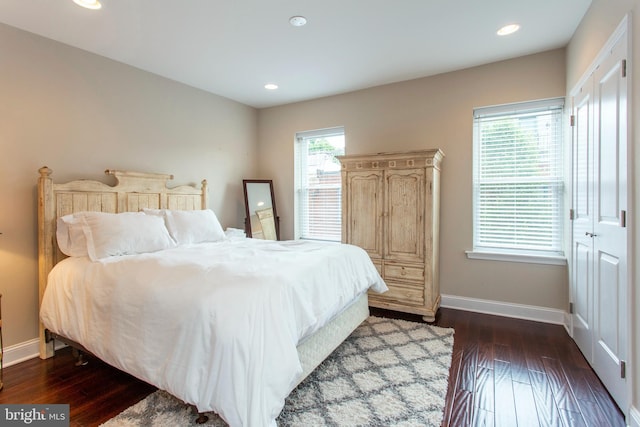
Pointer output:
24, 351
634, 417
518, 311
20, 352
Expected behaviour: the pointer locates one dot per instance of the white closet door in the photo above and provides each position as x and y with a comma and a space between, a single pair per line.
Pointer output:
582, 262
599, 284
610, 232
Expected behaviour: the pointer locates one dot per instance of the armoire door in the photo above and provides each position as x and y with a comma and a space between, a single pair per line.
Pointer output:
404, 216
599, 243
364, 211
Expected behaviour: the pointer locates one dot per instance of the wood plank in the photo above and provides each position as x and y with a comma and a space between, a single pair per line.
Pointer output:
486, 354
572, 354
562, 392
532, 356
452, 388
502, 352
518, 360
484, 399
595, 416
526, 413
468, 368
462, 414
572, 419
483, 418
545, 404
503, 386
577, 380
605, 404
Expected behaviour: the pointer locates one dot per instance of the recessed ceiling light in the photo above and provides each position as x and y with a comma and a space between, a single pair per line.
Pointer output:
298, 21
89, 4
508, 29
271, 86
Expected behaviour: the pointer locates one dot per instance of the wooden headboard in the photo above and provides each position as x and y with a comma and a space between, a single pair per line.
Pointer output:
133, 192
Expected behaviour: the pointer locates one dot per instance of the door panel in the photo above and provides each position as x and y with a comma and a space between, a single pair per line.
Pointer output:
364, 227
405, 215
608, 301
582, 273
582, 305
608, 170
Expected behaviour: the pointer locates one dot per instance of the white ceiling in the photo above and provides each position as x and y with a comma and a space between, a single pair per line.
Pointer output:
233, 47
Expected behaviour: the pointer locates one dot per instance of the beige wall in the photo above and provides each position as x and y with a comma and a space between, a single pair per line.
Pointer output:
80, 114
595, 29
428, 113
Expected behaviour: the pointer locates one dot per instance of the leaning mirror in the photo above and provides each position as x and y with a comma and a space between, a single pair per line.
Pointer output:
261, 221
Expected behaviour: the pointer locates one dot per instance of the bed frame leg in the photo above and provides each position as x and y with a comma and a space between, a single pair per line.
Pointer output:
202, 418
79, 355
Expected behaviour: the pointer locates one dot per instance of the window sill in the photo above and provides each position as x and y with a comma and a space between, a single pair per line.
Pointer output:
517, 257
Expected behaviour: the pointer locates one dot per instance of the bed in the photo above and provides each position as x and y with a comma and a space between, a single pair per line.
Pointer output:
228, 324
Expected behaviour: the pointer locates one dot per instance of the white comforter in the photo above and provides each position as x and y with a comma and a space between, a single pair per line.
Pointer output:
214, 324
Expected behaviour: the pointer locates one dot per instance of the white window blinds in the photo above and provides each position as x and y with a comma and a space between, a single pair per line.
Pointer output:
318, 203
518, 177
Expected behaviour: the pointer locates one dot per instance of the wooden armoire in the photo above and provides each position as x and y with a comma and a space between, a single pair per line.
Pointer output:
390, 208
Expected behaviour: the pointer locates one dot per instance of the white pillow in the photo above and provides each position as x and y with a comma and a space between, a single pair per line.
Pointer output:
125, 233
194, 226
70, 235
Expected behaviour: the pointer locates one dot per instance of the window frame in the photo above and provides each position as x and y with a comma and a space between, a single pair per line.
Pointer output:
299, 181
483, 251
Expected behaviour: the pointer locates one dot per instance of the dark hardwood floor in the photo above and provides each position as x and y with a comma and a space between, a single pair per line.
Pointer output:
510, 372
504, 372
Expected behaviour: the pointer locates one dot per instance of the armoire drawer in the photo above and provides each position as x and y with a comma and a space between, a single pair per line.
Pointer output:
400, 293
403, 272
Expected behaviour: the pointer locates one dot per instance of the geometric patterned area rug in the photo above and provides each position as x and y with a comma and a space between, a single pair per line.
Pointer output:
389, 372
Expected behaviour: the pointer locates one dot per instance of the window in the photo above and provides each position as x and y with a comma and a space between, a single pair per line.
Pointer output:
318, 212
517, 182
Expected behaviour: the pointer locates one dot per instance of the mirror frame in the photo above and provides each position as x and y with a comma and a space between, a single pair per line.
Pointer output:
247, 219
